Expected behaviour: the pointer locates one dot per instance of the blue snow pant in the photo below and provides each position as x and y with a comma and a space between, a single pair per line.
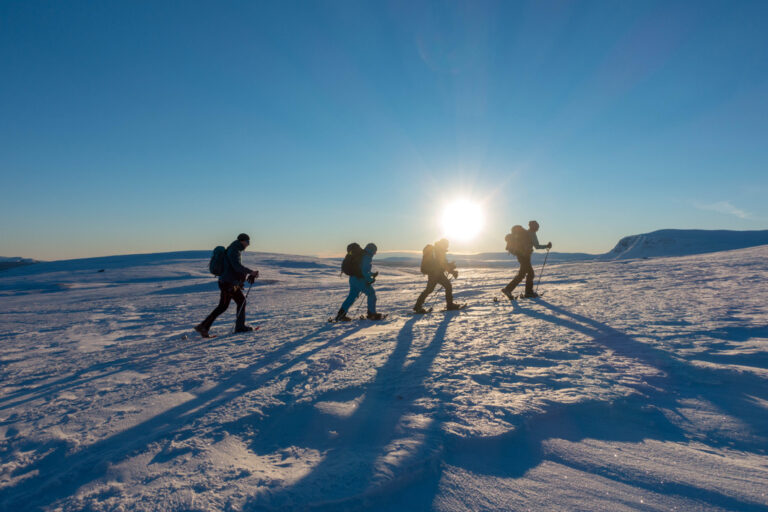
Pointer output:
358, 285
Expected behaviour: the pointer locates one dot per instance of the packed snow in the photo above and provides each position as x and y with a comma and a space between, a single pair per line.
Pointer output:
631, 385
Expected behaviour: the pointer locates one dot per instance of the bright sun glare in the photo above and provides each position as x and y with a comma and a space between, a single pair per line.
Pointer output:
462, 220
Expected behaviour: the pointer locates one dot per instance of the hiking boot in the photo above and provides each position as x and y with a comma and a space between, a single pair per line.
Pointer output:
419, 310
203, 331
244, 328
374, 316
454, 307
508, 293
341, 316
530, 295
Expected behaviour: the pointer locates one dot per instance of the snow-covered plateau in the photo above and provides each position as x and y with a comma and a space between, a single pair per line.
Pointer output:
631, 385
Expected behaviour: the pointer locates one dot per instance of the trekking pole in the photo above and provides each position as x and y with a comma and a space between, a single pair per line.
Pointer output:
542, 270
241, 307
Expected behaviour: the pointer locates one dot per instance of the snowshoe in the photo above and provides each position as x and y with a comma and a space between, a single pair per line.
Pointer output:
508, 294
421, 311
375, 316
455, 307
246, 328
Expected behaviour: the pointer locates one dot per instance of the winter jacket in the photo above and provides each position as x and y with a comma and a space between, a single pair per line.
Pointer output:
365, 266
235, 272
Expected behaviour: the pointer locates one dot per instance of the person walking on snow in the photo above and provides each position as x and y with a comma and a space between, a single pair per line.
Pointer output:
231, 282
361, 280
435, 266
521, 243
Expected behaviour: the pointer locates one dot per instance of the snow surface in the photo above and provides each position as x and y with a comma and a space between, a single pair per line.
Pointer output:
634, 385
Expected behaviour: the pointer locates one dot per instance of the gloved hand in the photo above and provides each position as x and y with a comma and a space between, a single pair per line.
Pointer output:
252, 276
549, 245
455, 274
375, 275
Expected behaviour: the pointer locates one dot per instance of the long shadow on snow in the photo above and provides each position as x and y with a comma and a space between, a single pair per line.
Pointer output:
628, 420
59, 473
515, 453
722, 387
355, 467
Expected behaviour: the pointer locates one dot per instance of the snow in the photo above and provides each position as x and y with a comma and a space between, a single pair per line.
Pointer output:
632, 385
682, 242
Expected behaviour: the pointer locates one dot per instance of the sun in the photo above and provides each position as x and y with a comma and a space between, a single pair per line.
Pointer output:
462, 220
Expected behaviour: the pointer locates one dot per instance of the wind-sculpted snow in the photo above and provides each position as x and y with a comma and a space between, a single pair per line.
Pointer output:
632, 385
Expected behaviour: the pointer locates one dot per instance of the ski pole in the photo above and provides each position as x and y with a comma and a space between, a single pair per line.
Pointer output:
542, 270
241, 307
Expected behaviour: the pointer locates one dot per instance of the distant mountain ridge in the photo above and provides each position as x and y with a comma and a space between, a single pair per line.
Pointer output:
684, 242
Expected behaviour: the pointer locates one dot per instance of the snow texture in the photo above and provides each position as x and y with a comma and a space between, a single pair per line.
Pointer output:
632, 385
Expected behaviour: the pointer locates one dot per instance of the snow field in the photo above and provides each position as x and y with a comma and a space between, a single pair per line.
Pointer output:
632, 385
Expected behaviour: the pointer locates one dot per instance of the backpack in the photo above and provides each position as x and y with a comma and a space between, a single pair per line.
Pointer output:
352, 264
428, 259
218, 262
518, 241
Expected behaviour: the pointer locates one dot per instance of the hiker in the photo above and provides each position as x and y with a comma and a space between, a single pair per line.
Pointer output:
521, 242
357, 265
231, 281
435, 266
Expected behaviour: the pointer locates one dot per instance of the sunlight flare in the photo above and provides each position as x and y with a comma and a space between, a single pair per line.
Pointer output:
462, 220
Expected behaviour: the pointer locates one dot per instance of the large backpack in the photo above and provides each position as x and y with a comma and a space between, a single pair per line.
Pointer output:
218, 262
518, 241
352, 264
428, 259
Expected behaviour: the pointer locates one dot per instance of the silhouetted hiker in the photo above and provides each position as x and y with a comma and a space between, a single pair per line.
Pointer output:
521, 243
232, 275
357, 265
434, 265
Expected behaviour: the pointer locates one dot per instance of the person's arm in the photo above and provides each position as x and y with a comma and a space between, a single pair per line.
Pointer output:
368, 275
536, 244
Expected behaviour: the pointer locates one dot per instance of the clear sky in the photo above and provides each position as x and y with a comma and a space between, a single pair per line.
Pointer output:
156, 126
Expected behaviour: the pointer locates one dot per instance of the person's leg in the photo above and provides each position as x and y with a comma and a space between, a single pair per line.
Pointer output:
528, 275
431, 283
354, 292
224, 300
237, 294
520, 274
371, 293
446, 283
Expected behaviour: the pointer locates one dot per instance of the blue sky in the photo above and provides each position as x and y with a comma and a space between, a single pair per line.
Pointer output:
132, 127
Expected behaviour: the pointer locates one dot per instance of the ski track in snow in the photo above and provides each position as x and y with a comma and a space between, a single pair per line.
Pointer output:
632, 385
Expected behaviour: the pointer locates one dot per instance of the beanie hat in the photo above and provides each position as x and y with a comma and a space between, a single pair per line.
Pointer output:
242, 237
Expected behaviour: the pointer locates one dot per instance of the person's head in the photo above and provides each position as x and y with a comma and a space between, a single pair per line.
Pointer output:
442, 244
244, 239
533, 226
371, 248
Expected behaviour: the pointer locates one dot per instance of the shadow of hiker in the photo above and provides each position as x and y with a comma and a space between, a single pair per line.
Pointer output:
59, 473
389, 438
723, 387
632, 419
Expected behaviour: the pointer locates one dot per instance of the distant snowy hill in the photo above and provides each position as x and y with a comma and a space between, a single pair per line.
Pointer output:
6, 263
683, 242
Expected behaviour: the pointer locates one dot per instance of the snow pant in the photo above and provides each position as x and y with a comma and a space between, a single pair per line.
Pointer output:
358, 285
434, 280
526, 271
229, 291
